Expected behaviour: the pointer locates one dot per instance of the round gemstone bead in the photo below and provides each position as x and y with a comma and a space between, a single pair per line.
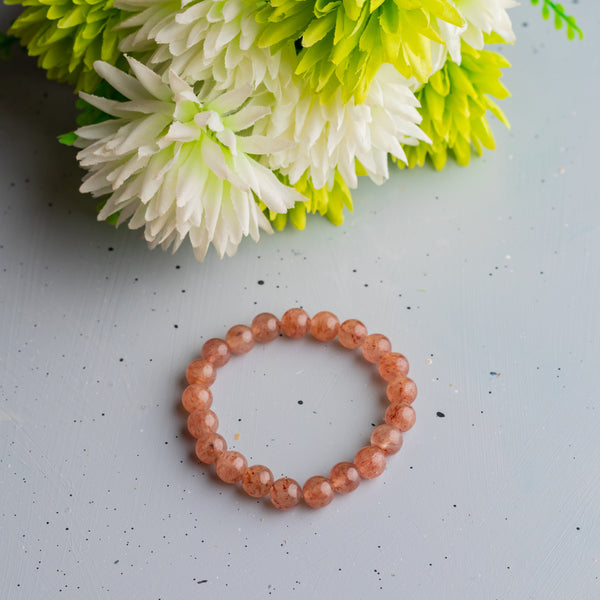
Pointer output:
393, 365
388, 438
209, 446
285, 493
195, 397
216, 351
317, 492
265, 327
324, 326
231, 466
402, 389
201, 371
240, 339
352, 333
295, 323
370, 462
202, 421
344, 477
400, 415
257, 481
375, 346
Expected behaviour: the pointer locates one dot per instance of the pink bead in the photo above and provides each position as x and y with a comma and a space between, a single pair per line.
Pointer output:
324, 326
375, 346
201, 371
195, 397
402, 389
400, 415
285, 493
257, 481
352, 333
392, 365
265, 327
209, 446
370, 462
216, 351
317, 492
240, 339
202, 421
295, 323
231, 466
388, 438
344, 477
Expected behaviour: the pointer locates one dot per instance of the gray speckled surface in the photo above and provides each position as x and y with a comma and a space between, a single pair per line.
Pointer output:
486, 277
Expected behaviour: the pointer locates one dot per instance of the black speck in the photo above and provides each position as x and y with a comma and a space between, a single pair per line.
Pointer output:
300, 401
110, 249
203, 581
440, 414
260, 282
177, 267
176, 326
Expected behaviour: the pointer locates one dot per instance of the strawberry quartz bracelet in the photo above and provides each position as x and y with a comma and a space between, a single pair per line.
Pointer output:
257, 480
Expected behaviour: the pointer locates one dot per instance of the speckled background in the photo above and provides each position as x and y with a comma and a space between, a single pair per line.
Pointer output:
486, 277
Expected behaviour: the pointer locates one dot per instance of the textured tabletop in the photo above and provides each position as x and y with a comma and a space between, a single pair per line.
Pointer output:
486, 278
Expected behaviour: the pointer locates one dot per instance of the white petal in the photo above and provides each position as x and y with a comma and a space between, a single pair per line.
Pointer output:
214, 158
260, 144
151, 81
129, 86
182, 133
231, 100
213, 193
278, 197
246, 117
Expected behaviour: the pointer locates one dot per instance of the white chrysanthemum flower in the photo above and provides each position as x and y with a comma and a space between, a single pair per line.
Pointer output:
333, 135
207, 40
173, 162
481, 17
215, 40
486, 16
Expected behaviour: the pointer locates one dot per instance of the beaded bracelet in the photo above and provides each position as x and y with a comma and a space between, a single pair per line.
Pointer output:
257, 480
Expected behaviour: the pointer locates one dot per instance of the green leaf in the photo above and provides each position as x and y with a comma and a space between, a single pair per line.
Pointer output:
68, 139
545, 11
6, 42
560, 18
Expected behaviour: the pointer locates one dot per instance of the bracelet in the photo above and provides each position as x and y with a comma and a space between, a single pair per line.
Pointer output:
257, 480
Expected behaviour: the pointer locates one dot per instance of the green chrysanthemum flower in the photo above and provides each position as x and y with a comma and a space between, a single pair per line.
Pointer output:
345, 43
454, 103
329, 203
68, 36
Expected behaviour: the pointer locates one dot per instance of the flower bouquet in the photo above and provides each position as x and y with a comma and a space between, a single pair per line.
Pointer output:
213, 120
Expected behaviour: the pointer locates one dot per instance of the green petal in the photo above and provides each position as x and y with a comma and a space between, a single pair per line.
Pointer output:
454, 104
68, 36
